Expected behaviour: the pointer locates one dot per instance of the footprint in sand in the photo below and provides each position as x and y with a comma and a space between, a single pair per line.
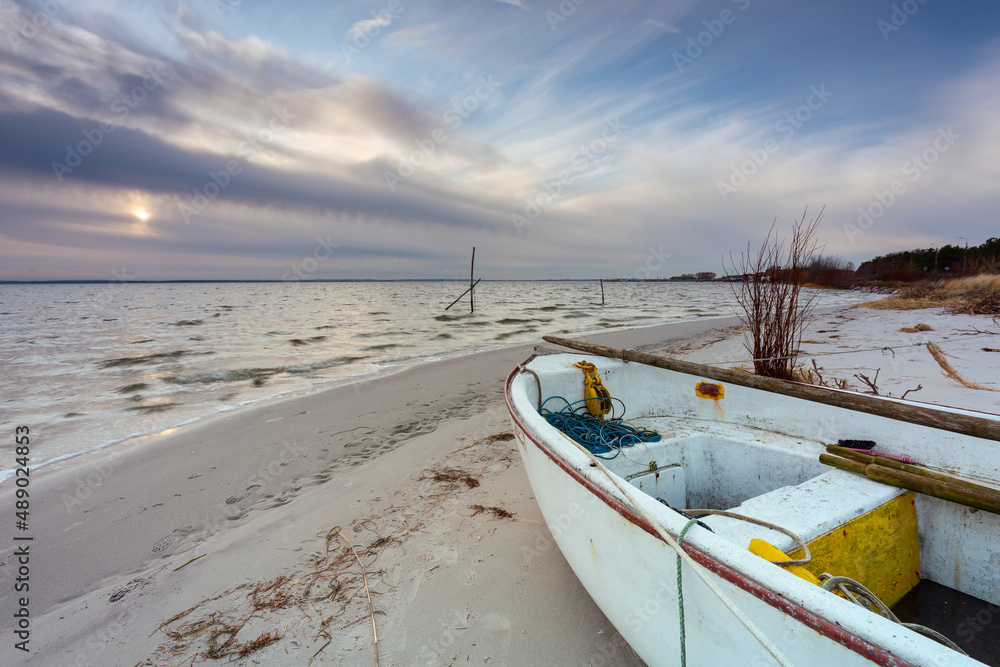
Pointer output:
470, 578
165, 543
127, 588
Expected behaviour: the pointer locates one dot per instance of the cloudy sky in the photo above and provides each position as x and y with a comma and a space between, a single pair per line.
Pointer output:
349, 139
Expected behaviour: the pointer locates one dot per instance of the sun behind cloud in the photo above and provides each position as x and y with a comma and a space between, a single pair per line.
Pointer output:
141, 214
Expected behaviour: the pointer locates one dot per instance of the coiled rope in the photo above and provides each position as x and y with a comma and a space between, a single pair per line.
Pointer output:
861, 596
600, 437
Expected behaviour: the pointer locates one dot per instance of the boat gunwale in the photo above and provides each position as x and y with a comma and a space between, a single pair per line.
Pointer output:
809, 618
974, 423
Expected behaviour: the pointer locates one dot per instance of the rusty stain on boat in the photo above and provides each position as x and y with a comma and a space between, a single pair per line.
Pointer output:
714, 391
710, 390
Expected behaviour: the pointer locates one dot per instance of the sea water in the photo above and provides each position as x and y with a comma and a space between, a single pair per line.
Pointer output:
89, 365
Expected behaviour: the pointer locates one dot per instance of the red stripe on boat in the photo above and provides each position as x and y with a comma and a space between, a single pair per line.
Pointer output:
804, 616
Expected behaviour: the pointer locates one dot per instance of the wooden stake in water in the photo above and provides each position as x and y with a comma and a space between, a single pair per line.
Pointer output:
472, 284
602, 291
461, 295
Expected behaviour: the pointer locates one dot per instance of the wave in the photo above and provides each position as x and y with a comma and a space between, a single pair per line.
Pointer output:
147, 359
154, 407
511, 334
379, 348
243, 374
307, 341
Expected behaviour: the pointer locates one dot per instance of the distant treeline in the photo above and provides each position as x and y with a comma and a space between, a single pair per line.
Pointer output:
950, 260
898, 267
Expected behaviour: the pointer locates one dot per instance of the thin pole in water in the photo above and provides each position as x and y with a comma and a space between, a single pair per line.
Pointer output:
472, 284
602, 291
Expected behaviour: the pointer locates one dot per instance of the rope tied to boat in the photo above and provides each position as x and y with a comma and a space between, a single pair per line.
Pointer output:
600, 437
680, 589
856, 592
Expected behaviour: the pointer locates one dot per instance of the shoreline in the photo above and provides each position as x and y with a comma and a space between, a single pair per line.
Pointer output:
396, 366
122, 520
203, 519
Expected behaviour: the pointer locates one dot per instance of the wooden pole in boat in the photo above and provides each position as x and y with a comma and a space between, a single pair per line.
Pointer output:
602, 291
472, 285
985, 499
978, 427
932, 487
868, 459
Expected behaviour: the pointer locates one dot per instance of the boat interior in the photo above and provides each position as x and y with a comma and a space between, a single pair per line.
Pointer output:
933, 561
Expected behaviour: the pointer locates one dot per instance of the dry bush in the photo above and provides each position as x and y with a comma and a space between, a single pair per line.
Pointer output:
770, 295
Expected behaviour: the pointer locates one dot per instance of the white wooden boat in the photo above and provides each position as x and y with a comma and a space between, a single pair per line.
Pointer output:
755, 452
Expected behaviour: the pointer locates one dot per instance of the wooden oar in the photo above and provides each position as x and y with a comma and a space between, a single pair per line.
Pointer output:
989, 501
978, 427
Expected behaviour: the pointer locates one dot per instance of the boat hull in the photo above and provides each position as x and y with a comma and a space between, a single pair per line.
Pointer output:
630, 572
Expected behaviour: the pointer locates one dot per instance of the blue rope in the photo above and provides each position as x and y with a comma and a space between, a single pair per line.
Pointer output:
599, 437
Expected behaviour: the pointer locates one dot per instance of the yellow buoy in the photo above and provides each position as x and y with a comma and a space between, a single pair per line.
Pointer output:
598, 398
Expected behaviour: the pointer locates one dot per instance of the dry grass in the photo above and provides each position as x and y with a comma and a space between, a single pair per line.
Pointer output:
973, 295
450, 477
498, 512
901, 303
938, 355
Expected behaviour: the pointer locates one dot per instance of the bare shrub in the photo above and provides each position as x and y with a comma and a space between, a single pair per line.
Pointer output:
770, 295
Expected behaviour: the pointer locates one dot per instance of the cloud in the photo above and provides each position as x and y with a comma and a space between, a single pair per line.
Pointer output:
369, 27
409, 36
516, 3
324, 166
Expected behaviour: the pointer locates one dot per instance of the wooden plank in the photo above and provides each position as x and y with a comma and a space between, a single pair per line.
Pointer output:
978, 427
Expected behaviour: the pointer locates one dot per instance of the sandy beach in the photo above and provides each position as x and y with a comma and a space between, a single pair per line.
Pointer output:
243, 537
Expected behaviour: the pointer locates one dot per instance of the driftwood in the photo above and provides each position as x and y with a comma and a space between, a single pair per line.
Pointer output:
978, 427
